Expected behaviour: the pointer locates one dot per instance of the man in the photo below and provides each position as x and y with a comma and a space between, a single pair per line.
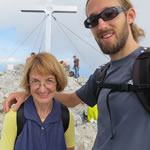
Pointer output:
66, 66
123, 123
76, 66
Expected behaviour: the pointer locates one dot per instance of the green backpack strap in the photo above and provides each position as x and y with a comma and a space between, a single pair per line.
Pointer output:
21, 119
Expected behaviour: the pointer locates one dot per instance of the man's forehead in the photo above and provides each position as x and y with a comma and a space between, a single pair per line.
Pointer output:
96, 6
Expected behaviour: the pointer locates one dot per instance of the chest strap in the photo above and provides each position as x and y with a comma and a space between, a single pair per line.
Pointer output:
124, 87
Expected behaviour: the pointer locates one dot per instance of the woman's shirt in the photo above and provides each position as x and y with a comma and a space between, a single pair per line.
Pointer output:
9, 132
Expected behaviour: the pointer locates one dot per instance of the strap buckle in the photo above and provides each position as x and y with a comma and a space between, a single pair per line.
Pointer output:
125, 87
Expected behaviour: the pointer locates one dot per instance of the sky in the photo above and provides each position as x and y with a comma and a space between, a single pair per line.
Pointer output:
22, 33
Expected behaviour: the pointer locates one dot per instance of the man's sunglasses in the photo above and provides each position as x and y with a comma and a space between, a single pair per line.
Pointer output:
106, 15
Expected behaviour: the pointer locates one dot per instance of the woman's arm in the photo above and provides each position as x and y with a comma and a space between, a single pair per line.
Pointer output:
9, 131
70, 133
70, 148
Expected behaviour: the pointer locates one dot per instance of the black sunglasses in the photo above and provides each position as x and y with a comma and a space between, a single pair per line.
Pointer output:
106, 15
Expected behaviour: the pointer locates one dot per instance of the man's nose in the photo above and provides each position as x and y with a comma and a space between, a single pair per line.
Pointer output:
101, 23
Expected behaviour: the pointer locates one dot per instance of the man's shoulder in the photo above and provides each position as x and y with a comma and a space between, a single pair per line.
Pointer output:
101, 67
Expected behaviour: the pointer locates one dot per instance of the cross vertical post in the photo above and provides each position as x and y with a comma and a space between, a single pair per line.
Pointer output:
49, 11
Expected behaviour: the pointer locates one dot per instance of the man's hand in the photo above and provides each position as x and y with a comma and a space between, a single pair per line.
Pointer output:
14, 98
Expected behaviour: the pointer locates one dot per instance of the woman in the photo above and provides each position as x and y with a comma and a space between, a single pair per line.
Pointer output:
43, 129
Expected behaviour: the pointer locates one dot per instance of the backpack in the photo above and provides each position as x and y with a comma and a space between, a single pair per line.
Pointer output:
21, 119
140, 76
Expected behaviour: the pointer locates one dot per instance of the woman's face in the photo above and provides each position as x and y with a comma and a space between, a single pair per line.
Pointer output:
42, 87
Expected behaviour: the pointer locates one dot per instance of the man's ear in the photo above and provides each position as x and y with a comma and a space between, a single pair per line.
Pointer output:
131, 15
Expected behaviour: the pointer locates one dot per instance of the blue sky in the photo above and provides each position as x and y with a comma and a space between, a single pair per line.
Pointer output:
22, 33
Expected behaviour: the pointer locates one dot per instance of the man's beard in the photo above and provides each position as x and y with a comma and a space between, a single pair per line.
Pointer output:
116, 47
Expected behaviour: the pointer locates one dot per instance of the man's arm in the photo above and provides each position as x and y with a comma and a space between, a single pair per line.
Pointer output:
70, 100
14, 98
18, 98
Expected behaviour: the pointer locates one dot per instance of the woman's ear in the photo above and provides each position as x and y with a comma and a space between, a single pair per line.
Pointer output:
131, 15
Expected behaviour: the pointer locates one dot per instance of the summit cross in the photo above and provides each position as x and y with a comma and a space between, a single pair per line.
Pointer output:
49, 10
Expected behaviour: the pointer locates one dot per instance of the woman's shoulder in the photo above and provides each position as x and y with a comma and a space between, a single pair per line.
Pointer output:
11, 113
10, 117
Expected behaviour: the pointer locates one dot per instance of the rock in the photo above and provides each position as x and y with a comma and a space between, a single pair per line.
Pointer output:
85, 136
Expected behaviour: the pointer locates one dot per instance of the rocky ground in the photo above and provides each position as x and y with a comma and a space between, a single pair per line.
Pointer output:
85, 132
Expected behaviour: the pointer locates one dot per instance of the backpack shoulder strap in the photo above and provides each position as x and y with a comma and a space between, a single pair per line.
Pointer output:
141, 80
141, 77
65, 117
20, 119
101, 76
